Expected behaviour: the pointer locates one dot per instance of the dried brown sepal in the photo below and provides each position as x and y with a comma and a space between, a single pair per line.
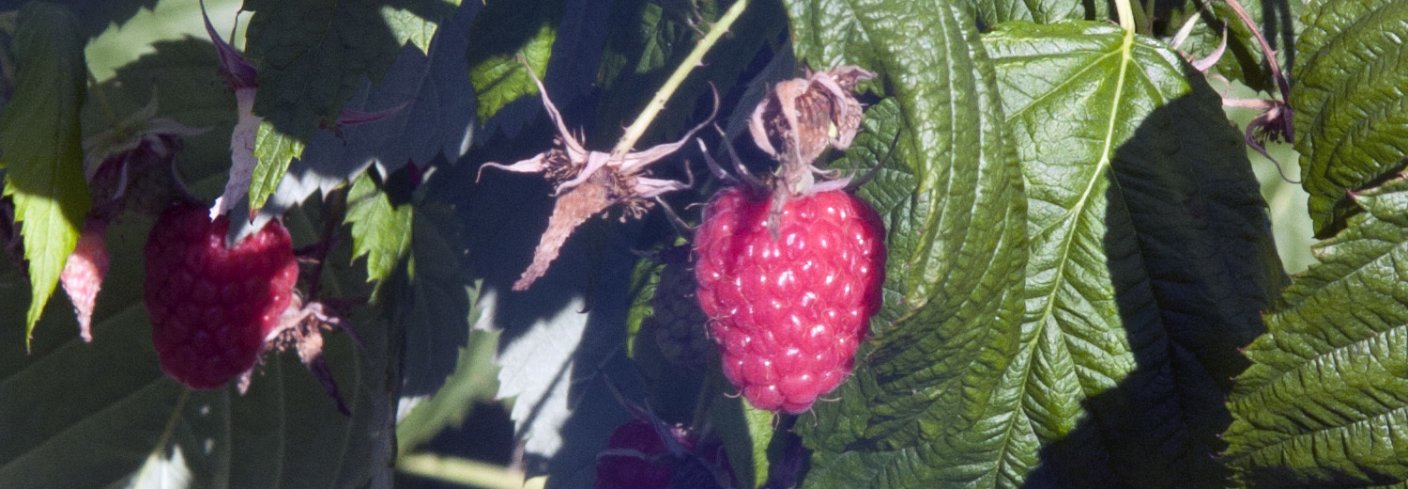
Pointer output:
587, 183
803, 116
301, 329
798, 121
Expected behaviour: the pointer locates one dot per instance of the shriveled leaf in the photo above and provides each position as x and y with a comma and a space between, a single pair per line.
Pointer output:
1151, 258
41, 145
1350, 115
1327, 393
132, 423
250, 131
913, 415
561, 340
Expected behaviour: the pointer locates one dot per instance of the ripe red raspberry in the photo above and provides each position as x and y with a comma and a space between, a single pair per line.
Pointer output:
211, 306
788, 309
83, 273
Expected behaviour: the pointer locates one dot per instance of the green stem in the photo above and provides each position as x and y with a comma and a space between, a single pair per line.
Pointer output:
460, 471
642, 122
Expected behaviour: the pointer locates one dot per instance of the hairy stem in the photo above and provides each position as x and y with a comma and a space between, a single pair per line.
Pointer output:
657, 103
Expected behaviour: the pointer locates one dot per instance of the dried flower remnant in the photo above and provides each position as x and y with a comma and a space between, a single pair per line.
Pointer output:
803, 116
588, 183
795, 124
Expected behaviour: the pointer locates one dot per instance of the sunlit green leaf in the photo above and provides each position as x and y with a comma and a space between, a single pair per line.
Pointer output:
381, 231
41, 143
501, 33
1150, 256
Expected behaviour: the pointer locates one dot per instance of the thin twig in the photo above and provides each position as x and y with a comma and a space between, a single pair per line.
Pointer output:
695, 57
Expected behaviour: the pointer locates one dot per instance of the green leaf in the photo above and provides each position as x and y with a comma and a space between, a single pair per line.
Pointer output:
417, 28
1150, 258
1327, 393
922, 409
381, 231
1242, 60
500, 33
474, 380
747, 433
645, 278
274, 151
179, 75
1350, 115
41, 140
993, 12
132, 424
313, 55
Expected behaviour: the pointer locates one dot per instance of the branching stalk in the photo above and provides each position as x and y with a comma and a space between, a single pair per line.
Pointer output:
695, 57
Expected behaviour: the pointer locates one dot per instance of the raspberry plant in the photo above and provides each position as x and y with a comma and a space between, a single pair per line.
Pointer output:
1083, 279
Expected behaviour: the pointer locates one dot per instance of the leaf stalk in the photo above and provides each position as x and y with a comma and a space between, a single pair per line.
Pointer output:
1126, 15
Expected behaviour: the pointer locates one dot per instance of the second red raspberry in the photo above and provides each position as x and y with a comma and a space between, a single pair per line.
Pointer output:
213, 306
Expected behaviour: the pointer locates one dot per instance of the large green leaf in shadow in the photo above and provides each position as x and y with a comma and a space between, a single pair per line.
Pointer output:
1150, 256
924, 406
1351, 115
1326, 397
